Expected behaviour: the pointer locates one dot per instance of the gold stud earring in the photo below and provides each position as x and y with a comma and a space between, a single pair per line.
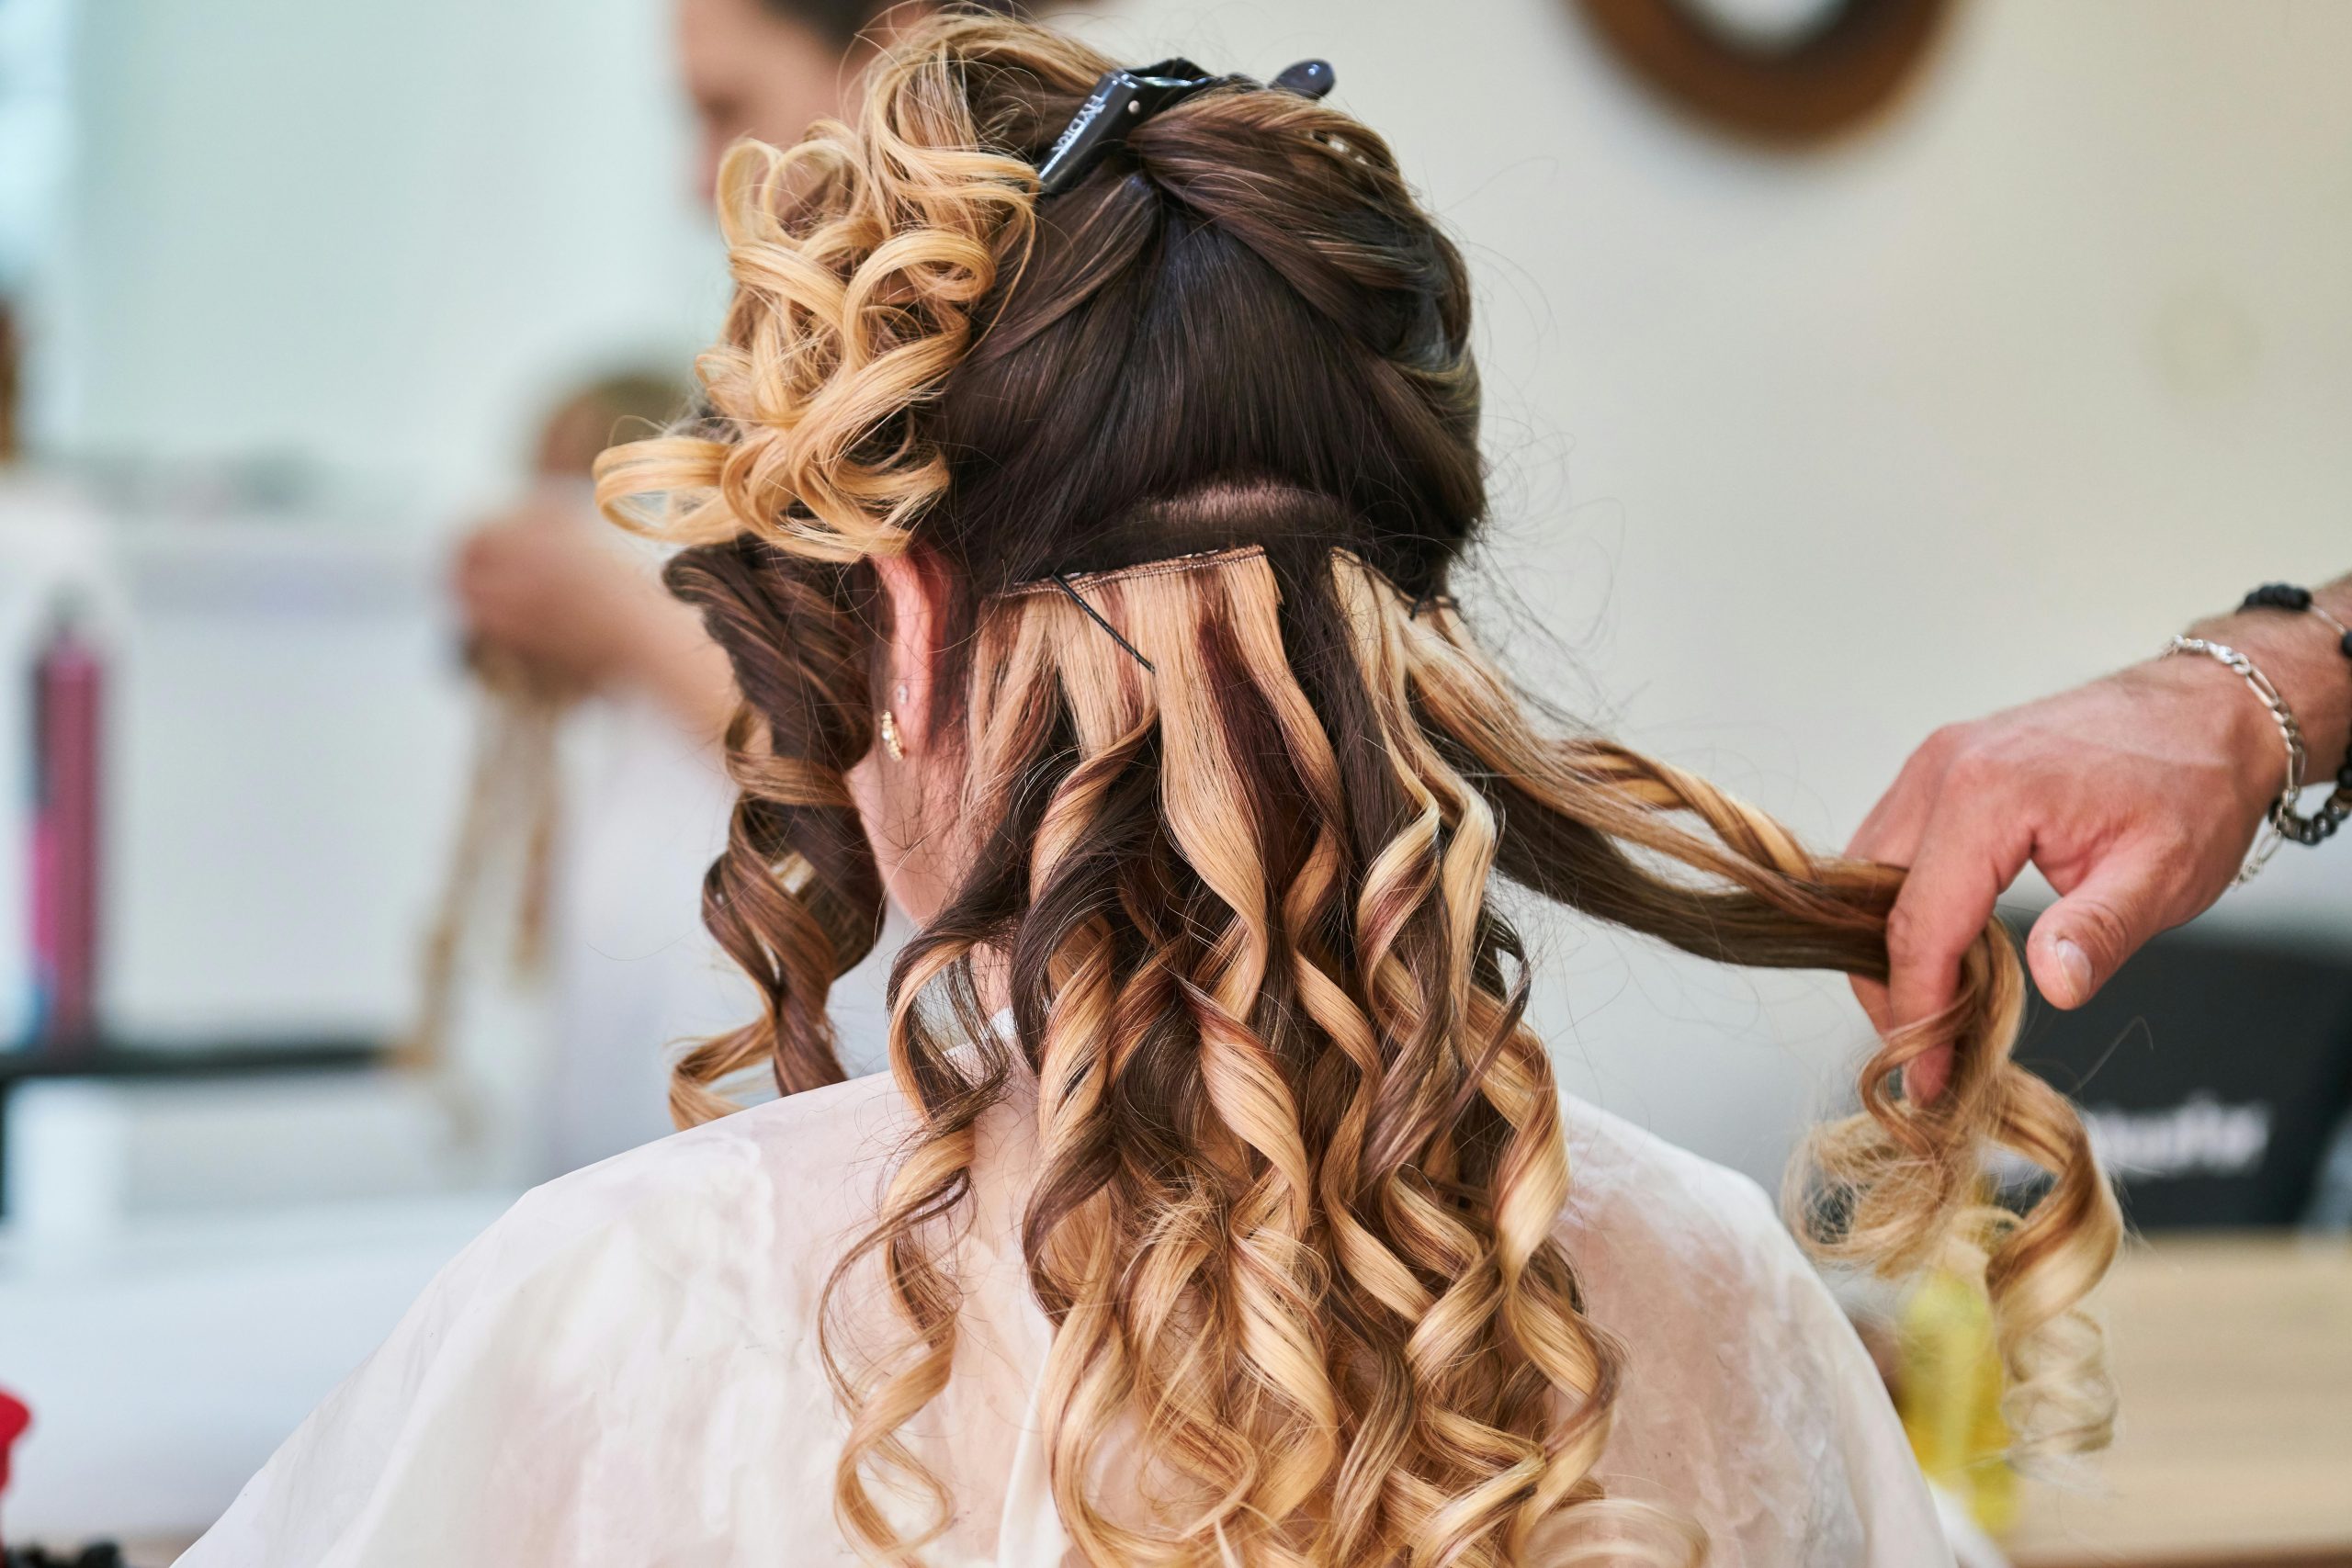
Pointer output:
891, 742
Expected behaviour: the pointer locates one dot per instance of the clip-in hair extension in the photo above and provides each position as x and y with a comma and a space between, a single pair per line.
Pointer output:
1062, 581
1124, 100
1066, 583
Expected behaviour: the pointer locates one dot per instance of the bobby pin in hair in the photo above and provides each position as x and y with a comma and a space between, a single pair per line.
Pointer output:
1061, 581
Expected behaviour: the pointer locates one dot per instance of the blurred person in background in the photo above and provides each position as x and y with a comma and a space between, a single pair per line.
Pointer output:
594, 798
1221, 1206
542, 582
544, 586
546, 589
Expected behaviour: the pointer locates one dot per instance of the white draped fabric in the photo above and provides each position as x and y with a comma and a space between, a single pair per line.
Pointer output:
623, 1371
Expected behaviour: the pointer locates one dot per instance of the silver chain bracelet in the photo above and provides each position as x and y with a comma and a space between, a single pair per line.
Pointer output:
2336, 809
2282, 811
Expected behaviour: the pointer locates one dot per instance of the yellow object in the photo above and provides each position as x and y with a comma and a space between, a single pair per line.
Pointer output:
1949, 1391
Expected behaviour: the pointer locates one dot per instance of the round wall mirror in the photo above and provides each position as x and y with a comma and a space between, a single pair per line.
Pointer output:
1782, 71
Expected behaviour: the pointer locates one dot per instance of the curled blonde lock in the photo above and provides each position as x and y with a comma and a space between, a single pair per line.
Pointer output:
857, 258
1902, 1185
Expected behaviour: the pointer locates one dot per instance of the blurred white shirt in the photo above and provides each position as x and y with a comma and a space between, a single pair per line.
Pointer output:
635, 974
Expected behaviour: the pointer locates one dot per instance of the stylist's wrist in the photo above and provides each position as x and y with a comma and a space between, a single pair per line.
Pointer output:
2299, 655
2210, 715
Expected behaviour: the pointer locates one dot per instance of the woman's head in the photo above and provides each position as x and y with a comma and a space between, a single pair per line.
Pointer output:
1241, 329
1135, 508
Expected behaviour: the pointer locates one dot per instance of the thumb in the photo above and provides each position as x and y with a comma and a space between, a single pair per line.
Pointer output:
2081, 940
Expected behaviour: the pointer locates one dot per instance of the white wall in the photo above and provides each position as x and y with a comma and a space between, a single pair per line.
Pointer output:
376, 236
1801, 456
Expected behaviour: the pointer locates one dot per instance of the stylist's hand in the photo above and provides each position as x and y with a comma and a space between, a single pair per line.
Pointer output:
2137, 797
542, 584
548, 584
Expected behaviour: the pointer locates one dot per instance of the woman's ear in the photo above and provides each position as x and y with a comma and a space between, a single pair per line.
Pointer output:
917, 593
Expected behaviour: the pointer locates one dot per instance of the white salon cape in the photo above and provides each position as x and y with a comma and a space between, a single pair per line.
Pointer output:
623, 1371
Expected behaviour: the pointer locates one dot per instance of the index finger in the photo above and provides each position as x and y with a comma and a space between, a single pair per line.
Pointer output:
1967, 857
1890, 835
1891, 831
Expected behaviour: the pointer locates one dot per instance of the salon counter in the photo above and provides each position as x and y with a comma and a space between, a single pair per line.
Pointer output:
2234, 1354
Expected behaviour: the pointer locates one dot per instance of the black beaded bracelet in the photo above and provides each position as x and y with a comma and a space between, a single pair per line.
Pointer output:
2321, 825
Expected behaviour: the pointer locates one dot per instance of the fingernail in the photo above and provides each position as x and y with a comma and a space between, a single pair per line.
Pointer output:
2076, 964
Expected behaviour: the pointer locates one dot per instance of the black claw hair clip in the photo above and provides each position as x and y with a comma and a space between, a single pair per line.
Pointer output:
1124, 100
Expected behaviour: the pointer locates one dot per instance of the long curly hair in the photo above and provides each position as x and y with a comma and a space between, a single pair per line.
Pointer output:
1295, 1221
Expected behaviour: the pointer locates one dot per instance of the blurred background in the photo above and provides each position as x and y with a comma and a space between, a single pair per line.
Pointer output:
1853, 365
